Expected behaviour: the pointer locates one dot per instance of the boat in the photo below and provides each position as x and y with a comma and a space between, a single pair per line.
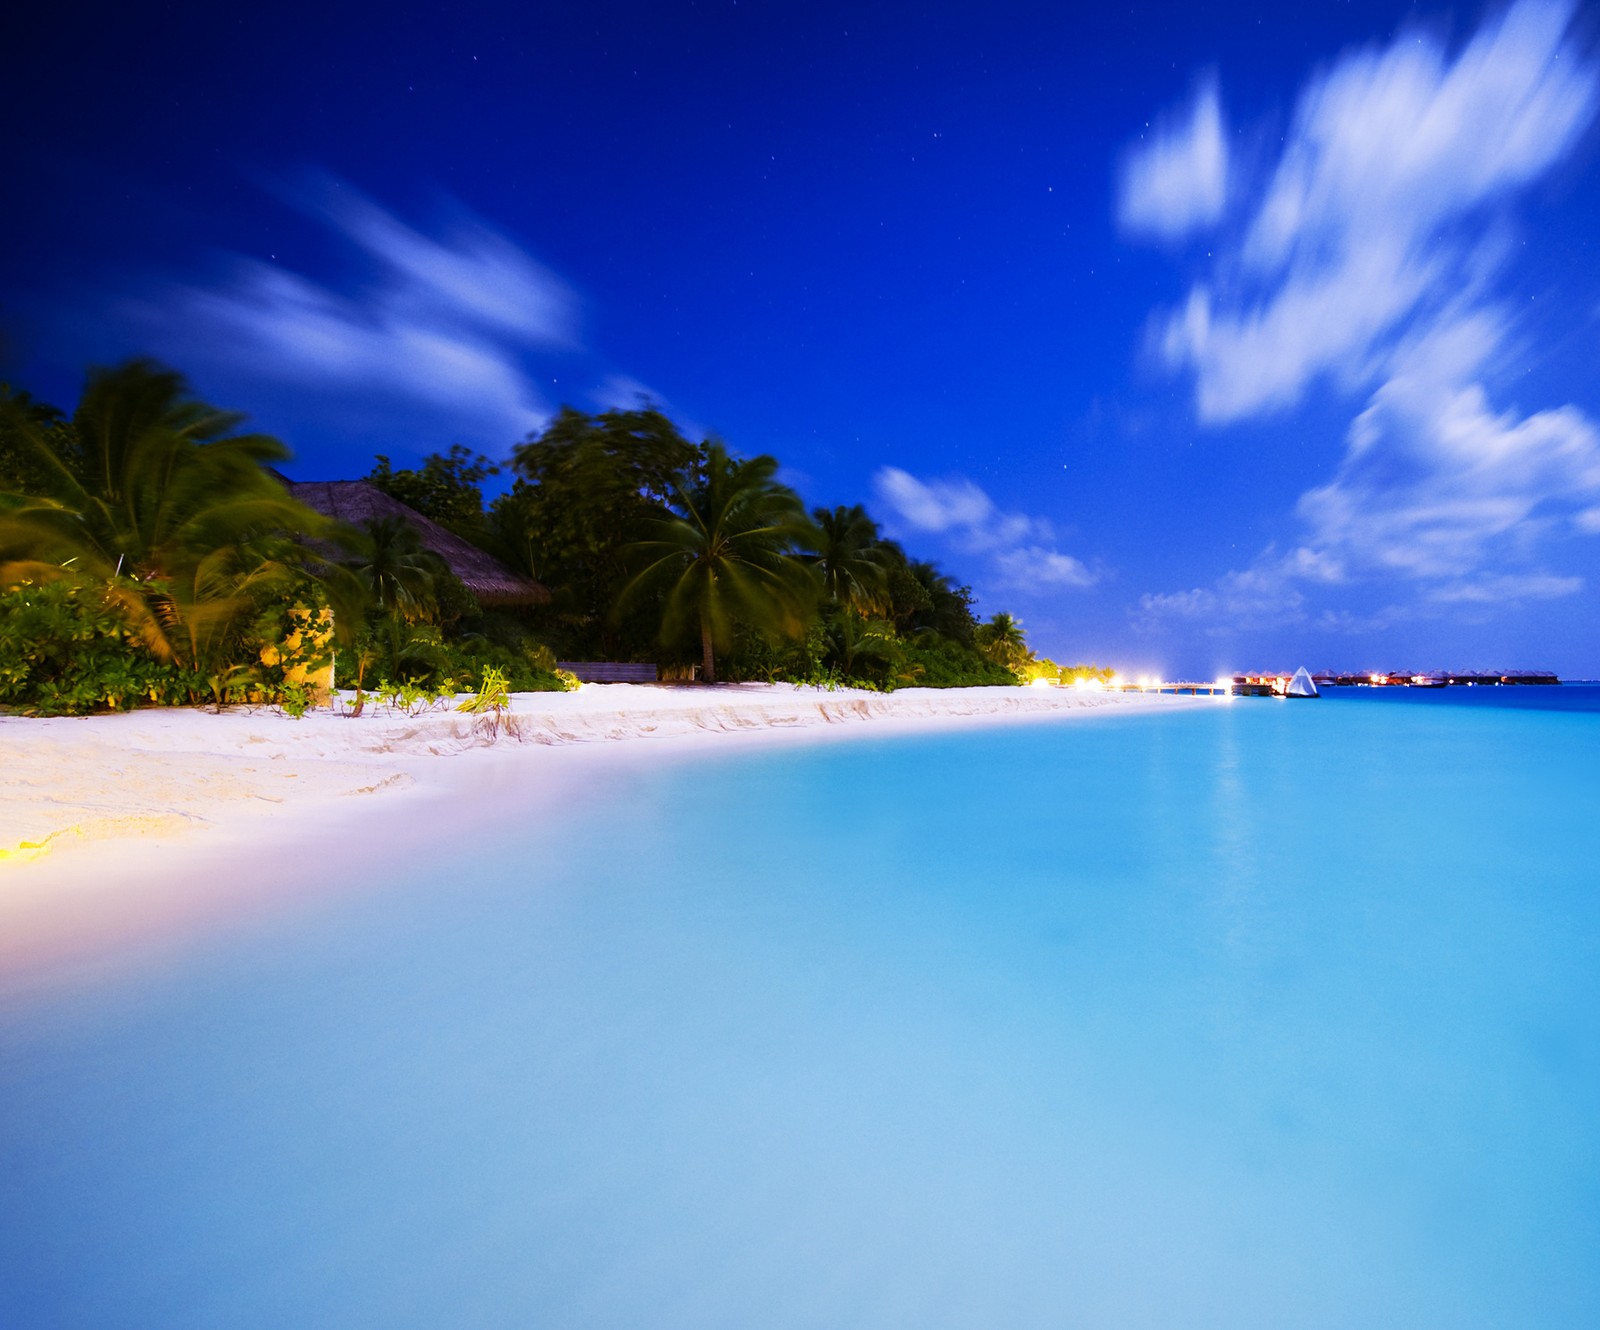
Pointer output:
1301, 685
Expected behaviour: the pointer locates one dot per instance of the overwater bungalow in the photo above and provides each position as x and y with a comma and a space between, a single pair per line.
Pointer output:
1435, 678
1299, 683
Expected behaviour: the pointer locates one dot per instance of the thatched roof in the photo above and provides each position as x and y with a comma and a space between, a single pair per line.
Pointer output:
359, 502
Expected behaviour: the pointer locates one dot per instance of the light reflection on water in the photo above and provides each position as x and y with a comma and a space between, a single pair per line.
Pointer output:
1270, 1015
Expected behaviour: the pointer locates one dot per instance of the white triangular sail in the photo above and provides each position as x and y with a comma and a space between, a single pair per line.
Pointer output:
1301, 685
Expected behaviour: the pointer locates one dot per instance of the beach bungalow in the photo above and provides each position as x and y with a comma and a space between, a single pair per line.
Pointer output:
359, 502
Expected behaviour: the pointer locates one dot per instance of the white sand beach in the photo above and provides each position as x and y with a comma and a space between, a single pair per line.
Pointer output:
119, 823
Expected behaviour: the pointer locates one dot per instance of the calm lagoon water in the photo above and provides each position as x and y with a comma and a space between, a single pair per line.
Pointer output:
1271, 1015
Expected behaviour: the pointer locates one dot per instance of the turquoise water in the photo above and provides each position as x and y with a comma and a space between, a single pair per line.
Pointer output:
1272, 1015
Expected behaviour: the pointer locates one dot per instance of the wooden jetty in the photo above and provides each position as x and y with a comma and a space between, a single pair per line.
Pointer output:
1207, 689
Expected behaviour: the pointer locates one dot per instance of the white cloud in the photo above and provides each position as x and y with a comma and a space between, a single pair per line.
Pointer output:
1396, 141
1352, 625
288, 328
961, 512
953, 507
1259, 596
1177, 181
1324, 321
1369, 262
1036, 566
1390, 157
1196, 604
447, 326
1434, 482
1501, 588
473, 274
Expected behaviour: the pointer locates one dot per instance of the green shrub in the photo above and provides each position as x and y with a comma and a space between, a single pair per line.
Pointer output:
492, 695
295, 700
421, 654
941, 663
66, 650
413, 697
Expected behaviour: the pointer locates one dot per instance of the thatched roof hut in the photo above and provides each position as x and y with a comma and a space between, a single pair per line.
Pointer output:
359, 502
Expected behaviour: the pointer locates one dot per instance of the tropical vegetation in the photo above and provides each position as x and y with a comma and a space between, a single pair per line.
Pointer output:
150, 553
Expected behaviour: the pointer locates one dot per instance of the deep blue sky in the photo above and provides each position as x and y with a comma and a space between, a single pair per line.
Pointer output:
1201, 337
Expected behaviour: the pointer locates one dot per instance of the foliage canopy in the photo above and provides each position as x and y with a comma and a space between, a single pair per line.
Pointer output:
728, 555
150, 553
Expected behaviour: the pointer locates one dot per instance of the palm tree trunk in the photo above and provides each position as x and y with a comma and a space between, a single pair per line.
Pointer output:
708, 662
392, 624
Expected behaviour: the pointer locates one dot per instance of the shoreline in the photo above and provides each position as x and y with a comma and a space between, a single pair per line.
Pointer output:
127, 831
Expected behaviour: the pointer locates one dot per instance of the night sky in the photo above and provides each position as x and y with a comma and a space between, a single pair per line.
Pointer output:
1201, 337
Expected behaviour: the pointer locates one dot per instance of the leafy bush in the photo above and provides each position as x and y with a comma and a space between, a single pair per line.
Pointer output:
295, 700
66, 649
946, 664
492, 695
293, 640
412, 697
423, 655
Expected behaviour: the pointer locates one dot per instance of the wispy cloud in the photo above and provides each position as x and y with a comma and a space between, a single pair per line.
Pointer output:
1370, 260
1374, 211
1257, 597
445, 322
1175, 180
1501, 588
471, 274
1035, 566
954, 507
1019, 547
1434, 482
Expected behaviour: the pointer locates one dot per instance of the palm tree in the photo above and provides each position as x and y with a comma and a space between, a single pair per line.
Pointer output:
928, 601
727, 555
851, 559
397, 569
852, 642
401, 575
174, 512
1002, 640
20, 413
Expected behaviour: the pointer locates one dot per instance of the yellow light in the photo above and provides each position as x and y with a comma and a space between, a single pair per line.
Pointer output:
1040, 682
1080, 682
